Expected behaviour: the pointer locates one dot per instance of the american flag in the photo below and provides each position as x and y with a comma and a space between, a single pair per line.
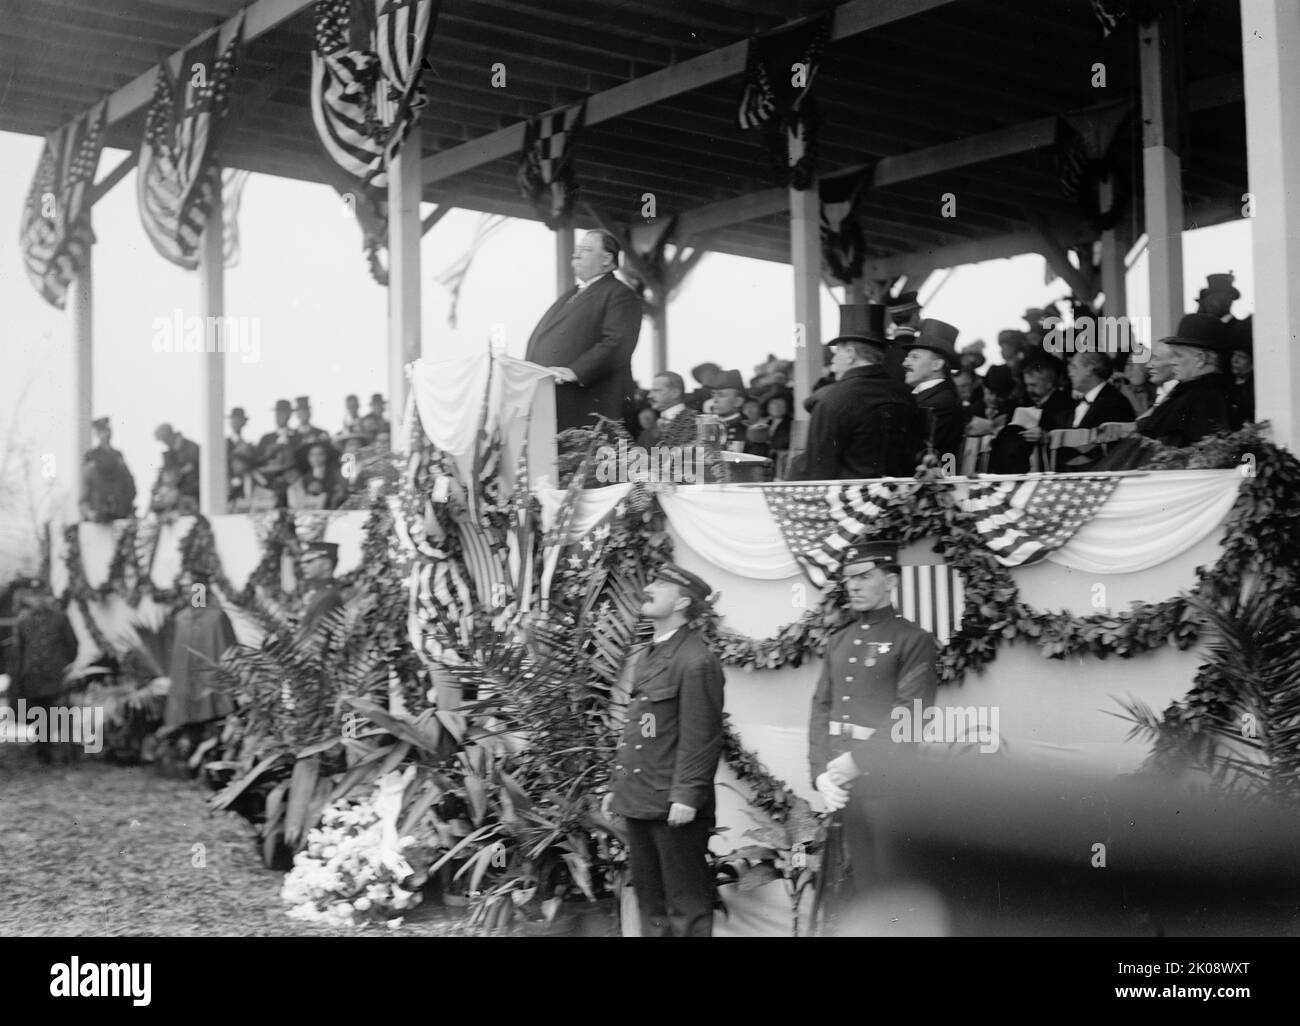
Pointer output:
452, 277
178, 177
444, 602
233, 181
843, 245
1022, 521
366, 92
56, 235
546, 176
818, 522
770, 88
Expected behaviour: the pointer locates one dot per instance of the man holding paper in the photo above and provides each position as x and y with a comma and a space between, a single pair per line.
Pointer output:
875, 664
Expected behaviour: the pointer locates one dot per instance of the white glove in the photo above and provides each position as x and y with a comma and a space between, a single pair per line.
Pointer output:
833, 795
842, 769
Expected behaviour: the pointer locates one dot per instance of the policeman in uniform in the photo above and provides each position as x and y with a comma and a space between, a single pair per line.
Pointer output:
666, 760
875, 664
319, 560
107, 486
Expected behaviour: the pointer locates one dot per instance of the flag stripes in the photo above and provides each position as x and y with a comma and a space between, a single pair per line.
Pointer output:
932, 597
1022, 521
56, 235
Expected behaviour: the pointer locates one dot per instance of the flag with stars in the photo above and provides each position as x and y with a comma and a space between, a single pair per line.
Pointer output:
178, 177
818, 522
1022, 521
558, 538
56, 235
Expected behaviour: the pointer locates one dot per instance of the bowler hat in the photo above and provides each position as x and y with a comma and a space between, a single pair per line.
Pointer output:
1220, 283
321, 548
729, 379
868, 556
1201, 331
694, 585
238, 411
862, 322
938, 337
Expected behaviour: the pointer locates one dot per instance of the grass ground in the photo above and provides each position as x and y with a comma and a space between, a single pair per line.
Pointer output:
94, 849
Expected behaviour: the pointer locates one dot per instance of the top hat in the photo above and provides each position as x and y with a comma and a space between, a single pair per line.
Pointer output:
1201, 331
321, 548
100, 423
302, 401
938, 337
238, 411
862, 322
868, 556
694, 585
283, 405
729, 379
1220, 283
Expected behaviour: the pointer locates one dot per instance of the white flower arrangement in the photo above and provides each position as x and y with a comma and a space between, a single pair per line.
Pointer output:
353, 870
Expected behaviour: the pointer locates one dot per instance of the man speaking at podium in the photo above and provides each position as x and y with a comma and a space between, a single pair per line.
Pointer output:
587, 337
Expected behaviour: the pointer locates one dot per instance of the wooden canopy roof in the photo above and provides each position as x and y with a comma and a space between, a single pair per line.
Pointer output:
953, 97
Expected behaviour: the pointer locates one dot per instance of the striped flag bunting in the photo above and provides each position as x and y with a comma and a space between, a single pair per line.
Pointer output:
1022, 521
177, 178
56, 235
932, 597
486, 567
546, 175
444, 601
818, 522
452, 277
233, 181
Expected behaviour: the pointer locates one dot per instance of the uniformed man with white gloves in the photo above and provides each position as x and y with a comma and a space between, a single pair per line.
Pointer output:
875, 664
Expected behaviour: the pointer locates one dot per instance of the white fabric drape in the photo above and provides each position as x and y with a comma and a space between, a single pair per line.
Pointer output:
593, 506
449, 395
514, 383
733, 529
1151, 520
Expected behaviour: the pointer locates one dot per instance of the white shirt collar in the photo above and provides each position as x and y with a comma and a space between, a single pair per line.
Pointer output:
661, 638
1165, 387
671, 412
1091, 395
590, 281
925, 386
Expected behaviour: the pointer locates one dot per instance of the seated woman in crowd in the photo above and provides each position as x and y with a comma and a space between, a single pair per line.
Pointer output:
319, 484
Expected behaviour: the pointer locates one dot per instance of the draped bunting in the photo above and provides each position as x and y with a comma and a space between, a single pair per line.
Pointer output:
1084, 140
779, 71
449, 396
843, 244
546, 176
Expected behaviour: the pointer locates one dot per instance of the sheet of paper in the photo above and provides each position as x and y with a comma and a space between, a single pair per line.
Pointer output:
1027, 416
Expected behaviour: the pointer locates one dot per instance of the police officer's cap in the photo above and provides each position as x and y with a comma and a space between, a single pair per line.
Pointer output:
327, 549
868, 556
694, 585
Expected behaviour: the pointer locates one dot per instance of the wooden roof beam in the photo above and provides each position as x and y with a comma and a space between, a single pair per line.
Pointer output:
259, 18
850, 19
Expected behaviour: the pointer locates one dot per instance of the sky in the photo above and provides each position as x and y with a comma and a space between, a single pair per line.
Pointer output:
322, 320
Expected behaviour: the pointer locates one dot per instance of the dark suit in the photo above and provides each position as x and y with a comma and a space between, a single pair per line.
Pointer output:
942, 418
864, 425
184, 459
1010, 451
593, 332
1110, 406
1194, 410
668, 753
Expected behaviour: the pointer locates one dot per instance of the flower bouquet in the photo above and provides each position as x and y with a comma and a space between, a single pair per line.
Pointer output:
355, 869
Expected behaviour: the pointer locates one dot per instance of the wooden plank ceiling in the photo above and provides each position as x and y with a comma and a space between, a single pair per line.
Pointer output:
966, 68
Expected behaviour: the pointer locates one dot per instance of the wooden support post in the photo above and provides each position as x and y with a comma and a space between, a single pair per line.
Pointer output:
1160, 53
403, 270
806, 261
659, 324
213, 479
563, 257
81, 310
1270, 34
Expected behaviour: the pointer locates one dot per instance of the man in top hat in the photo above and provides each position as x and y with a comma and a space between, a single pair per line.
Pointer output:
1216, 299
666, 759
107, 486
729, 396
904, 312
1201, 403
275, 452
588, 336
928, 366
322, 595
864, 425
874, 665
